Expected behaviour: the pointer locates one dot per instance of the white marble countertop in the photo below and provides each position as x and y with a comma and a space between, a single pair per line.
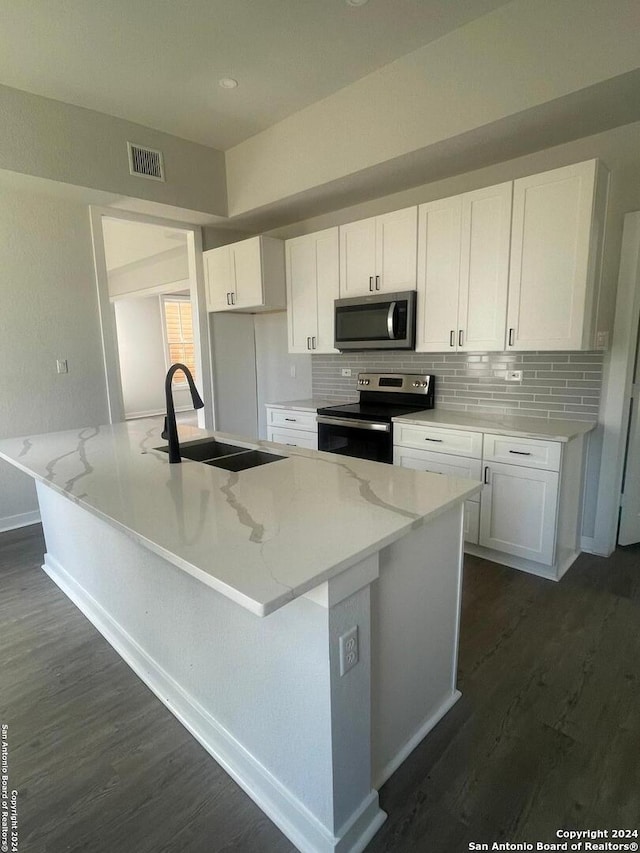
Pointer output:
551, 429
310, 405
261, 537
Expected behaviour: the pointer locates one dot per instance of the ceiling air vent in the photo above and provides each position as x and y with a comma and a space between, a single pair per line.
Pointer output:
145, 162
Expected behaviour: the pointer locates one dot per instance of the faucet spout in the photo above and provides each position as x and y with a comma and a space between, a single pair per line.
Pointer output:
170, 431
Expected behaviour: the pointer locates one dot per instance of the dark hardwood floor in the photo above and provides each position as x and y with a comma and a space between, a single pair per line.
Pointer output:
546, 735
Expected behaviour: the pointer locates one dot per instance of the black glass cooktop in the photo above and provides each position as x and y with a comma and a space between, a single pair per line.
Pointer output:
382, 412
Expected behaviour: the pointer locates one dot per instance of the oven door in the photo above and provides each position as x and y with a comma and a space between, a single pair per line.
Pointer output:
351, 437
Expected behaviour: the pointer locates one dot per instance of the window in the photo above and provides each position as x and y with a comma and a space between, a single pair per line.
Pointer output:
178, 334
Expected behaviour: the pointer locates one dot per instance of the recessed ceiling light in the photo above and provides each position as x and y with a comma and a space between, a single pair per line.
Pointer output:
356, 2
228, 83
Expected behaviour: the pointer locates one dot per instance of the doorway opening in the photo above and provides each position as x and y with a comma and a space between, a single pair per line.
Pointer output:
153, 314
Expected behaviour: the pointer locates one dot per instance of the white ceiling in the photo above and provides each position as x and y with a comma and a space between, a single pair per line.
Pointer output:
158, 63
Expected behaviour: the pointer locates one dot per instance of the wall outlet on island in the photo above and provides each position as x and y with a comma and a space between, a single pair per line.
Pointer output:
349, 651
514, 376
346, 371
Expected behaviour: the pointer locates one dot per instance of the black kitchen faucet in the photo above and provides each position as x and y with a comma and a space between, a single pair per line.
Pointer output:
170, 431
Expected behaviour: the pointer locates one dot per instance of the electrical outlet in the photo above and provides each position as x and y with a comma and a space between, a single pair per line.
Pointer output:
346, 371
62, 366
292, 370
602, 340
349, 650
514, 376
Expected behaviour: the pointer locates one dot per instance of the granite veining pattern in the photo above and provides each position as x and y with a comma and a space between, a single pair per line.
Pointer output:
261, 536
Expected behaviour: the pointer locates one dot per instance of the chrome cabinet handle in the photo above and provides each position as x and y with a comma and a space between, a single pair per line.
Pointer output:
511, 336
377, 282
460, 337
452, 338
486, 475
371, 283
520, 452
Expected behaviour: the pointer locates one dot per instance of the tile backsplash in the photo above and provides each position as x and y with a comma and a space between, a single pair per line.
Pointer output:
554, 384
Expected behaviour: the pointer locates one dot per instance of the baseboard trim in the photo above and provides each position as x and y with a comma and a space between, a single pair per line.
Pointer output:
591, 546
423, 730
277, 802
23, 519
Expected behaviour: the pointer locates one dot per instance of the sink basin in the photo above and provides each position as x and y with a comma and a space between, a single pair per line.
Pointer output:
242, 461
205, 449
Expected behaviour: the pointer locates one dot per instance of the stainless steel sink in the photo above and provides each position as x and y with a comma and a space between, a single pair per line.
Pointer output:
231, 457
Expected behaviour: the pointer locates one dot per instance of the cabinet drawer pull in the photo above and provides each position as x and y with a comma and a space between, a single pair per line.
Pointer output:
313, 342
228, 299
460, 337
377, 282
520, 452
438, 440
486, 475
371, 283
233, 299
293, 420
290, 444
511, 336
309, 342
452, 338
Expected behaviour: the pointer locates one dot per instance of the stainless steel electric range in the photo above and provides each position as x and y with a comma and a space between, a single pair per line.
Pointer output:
364, 429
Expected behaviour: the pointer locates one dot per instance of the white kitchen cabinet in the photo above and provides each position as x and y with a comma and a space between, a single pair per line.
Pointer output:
313, 275
379, 254
463, 271
295, 427
454, 453
518, 511
528, 513
558, 219
246, 276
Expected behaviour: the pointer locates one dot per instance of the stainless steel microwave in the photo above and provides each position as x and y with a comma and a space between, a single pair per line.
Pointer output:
380, 321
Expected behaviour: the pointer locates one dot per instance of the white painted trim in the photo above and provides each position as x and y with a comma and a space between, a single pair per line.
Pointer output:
403, 753
22, 519
551, 573
158, 290
614, 412
278, 803
206, 416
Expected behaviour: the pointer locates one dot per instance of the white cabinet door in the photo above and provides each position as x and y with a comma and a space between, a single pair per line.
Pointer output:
379, 254
518, 511
484, 268
357, 257
312, 272
396, 250
551, 279
247, 268
218, 266
439, 232
302, 292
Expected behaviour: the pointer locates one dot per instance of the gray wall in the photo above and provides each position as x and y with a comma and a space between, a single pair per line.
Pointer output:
48, 311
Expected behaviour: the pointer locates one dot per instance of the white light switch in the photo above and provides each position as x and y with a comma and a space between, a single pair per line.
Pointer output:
62, 365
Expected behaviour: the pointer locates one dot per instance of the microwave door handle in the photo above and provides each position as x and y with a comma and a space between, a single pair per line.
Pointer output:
392, 310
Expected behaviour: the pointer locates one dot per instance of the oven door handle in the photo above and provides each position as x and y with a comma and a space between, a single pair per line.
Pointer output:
392, 311
354, 424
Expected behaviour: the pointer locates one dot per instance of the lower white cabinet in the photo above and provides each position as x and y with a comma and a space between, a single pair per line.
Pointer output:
295, 427
528, 513
518, 512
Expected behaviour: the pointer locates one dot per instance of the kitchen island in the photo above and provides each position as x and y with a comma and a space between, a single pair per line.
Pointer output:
235, 595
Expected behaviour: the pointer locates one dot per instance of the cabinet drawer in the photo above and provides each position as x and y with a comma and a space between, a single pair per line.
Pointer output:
294, 438
455, 441
439, 463
292, 419
530, 452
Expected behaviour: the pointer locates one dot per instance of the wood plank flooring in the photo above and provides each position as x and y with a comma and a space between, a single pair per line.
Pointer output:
546, 735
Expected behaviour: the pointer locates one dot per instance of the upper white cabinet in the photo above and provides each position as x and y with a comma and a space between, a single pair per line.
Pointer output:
463, 271
312, 271
379, 254
555, 258
246, 276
